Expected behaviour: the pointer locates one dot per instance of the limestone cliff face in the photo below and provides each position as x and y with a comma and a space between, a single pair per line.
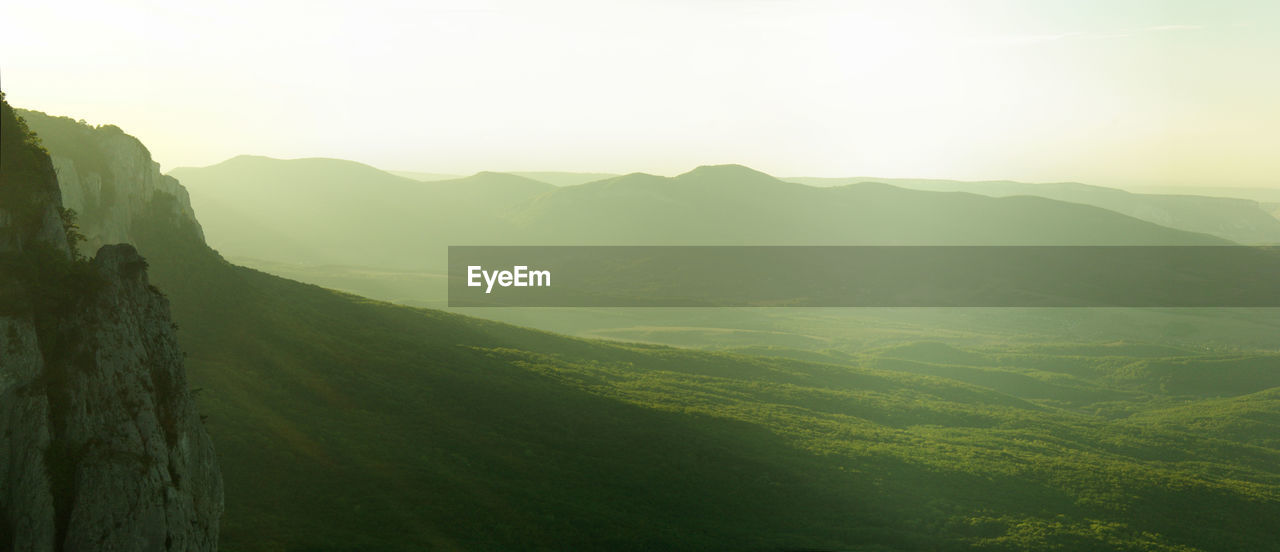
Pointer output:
106, 176
101, 447
27, 517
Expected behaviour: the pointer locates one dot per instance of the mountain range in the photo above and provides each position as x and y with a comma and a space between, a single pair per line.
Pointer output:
325, 211
345, 423
1245, 221
557, 178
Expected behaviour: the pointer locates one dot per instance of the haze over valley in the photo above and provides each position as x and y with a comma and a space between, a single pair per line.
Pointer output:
224, 260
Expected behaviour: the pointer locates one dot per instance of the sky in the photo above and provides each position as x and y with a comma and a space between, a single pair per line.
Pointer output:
1116, 92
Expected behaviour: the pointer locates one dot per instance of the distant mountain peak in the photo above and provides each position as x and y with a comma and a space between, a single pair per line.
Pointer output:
726, 171
251, 159
500, 176
247, 159
494, 178
628, 179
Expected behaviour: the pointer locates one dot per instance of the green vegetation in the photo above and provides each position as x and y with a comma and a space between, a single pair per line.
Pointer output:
25, 179
345, 423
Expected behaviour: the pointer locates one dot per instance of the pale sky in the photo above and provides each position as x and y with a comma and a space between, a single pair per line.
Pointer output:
1106, 92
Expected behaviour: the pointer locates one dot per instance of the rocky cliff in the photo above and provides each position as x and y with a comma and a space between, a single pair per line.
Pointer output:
101, 447
106, 176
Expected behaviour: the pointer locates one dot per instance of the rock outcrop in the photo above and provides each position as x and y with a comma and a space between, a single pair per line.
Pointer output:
101, 447
106, 176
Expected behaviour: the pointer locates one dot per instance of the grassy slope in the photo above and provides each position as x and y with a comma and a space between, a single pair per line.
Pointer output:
350, 424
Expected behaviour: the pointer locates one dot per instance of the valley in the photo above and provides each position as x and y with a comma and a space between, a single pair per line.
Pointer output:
343, 420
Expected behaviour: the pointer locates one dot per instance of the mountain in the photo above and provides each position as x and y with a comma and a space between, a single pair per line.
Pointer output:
564, 178
731, 204
556, 178
425, 176
297, 210
1260, 195
1238, 220
345, 423
102, 447
331, 212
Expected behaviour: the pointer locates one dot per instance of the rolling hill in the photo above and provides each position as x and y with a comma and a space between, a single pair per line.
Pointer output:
1229, 217
557, 178
1260, 195
560, 178
332, 212
732, 204
329, 211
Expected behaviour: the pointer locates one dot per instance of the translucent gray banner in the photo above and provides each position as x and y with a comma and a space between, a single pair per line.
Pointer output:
864, 276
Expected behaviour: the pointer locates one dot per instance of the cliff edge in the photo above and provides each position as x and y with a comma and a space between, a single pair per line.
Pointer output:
101, 447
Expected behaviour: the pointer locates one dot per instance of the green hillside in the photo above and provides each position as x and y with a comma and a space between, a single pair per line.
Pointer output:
1217, 212
349, 424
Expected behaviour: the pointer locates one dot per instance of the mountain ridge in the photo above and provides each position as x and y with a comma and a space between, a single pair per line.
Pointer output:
700, 207
1240, 220
405, 225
